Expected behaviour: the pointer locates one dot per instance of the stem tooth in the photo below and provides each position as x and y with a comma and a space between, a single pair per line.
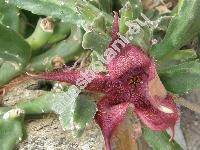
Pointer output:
47, 25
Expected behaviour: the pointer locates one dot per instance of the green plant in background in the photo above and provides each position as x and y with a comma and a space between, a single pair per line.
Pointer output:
15, 54
72, 109
66, 29
7, 13
11, 127
182, 29
41, 35
65, 51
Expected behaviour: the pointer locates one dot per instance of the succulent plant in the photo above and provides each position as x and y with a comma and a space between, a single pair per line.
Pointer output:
143, 63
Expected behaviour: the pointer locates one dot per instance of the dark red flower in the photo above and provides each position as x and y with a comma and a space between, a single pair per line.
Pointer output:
132, 81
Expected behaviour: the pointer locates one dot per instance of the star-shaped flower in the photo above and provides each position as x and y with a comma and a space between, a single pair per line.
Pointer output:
132, 81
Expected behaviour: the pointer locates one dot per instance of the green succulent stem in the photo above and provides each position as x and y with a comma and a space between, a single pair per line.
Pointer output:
105, 5
126, 15
61, 31
7, 13
41, 35
37, 106
136, 7
161, 138
11, 127
89, 12
184, 26
14, 54
8, 71
62, 52
198, 46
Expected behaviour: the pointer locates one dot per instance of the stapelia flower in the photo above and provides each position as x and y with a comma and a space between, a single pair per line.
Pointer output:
132, 81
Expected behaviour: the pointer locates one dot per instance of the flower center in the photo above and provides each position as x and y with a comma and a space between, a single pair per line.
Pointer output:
135, 80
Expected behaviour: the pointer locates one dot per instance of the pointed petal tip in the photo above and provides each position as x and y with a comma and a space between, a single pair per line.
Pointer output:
115, 27
172, 133
107, 143
109, 117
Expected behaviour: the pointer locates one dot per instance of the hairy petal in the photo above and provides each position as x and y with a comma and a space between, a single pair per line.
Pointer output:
64, 75
153, 105
152, 88
158, 119
128, 57
109, 117
130, 61
93, 82
115, 27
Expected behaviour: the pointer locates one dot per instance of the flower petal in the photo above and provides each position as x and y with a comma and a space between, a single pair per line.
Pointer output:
130, 61
158, 119
128, 57
108, 117
84, 79
115, 26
